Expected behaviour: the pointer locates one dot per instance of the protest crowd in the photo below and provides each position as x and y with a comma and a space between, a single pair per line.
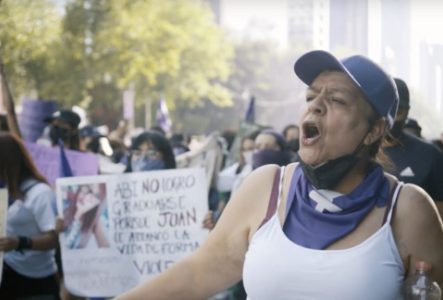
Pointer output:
53, 215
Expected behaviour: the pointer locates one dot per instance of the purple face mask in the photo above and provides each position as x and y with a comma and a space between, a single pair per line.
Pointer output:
147, 164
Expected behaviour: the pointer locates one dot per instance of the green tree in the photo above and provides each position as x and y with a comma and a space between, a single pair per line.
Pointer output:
28, 31
158, 47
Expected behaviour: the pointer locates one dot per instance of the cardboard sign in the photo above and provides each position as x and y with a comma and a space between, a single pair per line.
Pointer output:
121, 230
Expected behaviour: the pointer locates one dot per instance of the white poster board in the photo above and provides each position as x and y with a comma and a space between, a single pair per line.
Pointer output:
123, 229
3, 213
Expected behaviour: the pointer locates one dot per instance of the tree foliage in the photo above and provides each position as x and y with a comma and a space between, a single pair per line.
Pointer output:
99, 48
28, 31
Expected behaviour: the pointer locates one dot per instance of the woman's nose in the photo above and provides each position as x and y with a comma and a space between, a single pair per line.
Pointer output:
317, 105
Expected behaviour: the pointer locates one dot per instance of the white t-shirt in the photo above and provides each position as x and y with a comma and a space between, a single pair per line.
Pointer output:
32, 217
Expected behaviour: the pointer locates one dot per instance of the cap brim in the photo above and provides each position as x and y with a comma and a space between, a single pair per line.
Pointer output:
48, 119
311, 64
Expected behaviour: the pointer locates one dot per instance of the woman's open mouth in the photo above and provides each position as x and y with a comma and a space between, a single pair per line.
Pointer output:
310, 133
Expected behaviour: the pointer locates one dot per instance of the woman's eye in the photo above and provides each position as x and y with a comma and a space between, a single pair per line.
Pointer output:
337, 100
309, 98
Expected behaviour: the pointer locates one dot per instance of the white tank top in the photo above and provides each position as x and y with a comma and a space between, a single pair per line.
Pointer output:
277, 268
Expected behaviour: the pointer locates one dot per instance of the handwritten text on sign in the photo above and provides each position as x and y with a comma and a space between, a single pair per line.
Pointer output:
152, 219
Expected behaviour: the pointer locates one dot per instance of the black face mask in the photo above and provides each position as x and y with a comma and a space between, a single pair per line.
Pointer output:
293, 145
329, 174
56, 133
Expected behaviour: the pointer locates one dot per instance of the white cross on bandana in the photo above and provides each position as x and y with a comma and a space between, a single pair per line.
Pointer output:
325, 200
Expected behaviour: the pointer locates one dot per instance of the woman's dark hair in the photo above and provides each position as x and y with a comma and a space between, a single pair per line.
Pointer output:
16, 165
287, 128
160, 143
278, 138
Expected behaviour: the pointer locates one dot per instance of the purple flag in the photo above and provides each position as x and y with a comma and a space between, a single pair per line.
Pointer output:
65, 168
162, 116
48, 161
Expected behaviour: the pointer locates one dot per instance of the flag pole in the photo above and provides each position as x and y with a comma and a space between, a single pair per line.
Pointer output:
8, 102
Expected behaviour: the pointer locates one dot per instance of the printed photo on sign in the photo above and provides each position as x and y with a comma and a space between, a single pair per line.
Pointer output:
85, 214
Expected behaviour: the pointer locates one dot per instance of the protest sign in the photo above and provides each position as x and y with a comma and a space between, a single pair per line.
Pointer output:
31, 118
3, 210
47, 160
121, 230
208, 156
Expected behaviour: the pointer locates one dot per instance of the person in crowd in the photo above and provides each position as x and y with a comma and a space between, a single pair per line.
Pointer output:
29, 268
412, 127
150, 151
334, 225
120, 133
230, 178
178, 144
158, 129
85, 215
439, 142
270, 148
3, 123
89, 139
291, 133
63, 125
415, 160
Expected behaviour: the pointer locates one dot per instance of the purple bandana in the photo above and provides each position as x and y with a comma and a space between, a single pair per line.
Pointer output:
317, 218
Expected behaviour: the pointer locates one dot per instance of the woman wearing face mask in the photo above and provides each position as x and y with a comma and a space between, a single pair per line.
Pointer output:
150, 151
270, 148
333, 226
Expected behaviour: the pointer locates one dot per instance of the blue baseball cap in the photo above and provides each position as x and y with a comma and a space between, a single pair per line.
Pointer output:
376, 85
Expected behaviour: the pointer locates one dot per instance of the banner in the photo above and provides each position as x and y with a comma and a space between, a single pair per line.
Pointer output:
47, 160
31, 118
208, 156
121, 230
3, 210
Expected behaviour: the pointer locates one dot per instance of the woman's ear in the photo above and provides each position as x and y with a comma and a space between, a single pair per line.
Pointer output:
377, 131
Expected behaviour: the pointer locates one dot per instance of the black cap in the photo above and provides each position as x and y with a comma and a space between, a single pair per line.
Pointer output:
403, 93
66, 116
89, 131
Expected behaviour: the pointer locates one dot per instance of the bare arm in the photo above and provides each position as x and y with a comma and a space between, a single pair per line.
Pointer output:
42, 242
218, 263
100, 235
419, 231
439, 205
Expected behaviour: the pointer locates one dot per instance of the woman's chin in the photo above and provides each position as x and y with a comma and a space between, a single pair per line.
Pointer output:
310, 158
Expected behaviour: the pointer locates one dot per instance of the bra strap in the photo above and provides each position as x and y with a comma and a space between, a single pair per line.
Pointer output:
392, 201
274, 199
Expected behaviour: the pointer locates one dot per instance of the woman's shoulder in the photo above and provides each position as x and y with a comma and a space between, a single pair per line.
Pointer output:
413, 201
415, 214
35, 190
